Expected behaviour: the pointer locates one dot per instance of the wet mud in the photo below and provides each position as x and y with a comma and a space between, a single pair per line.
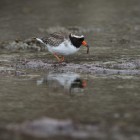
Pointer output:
89, 65
89, 96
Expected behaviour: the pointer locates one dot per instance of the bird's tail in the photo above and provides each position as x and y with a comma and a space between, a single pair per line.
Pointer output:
41, 41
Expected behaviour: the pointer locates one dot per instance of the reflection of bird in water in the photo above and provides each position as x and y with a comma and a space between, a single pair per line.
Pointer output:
69, 80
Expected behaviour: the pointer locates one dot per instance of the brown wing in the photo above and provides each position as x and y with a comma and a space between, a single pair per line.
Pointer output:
55, 39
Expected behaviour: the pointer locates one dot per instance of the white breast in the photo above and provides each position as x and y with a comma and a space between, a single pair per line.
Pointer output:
65, 48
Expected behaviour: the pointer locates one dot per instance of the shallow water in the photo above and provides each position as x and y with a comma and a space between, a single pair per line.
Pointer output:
100, 89
31, 97
105, 102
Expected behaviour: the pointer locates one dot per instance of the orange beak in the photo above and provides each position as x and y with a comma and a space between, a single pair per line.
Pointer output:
85, 44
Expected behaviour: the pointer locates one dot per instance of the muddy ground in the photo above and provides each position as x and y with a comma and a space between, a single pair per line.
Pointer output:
89, 96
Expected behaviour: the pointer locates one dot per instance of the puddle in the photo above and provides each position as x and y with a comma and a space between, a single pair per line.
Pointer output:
81, 105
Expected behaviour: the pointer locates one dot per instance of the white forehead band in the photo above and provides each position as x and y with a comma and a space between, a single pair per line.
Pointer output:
76, 36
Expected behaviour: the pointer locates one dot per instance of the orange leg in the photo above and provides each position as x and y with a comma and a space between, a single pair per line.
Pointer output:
62, 59
57, 57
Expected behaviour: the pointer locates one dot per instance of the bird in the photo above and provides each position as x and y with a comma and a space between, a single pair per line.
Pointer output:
61, 44
68, 80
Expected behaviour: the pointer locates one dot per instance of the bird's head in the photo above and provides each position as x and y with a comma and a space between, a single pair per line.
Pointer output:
77, 41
